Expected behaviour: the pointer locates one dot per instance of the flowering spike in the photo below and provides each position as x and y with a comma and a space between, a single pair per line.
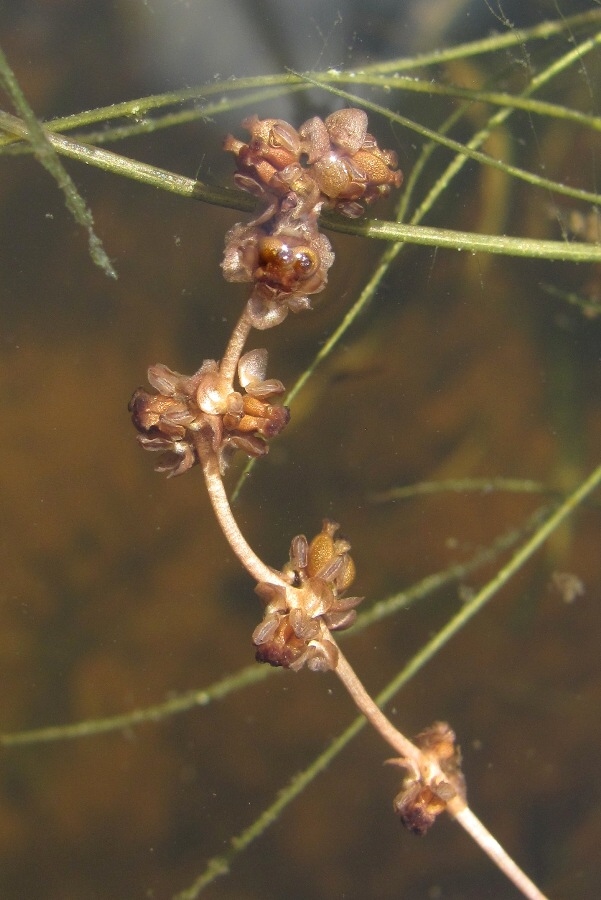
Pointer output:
422, 797
203, 407
294, 630
335, 163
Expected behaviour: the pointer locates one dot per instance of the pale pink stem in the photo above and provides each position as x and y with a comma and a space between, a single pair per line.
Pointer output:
429, 771
409, 753
233, 351
499, 856
221, 507
374, 715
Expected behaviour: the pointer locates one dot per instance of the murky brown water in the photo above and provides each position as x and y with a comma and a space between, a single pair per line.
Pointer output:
118, 591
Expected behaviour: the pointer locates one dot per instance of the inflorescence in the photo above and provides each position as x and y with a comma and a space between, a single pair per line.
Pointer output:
204, 407
299, 616
282, 251
334, 163
204, 418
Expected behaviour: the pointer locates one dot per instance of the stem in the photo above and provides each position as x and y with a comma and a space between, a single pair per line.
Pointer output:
374, 714
456, 807
221, 507
495, 851
373, 228
47, 156
131, 168
234, 349
463, 240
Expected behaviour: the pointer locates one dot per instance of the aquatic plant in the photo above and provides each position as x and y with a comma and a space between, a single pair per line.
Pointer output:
230, 406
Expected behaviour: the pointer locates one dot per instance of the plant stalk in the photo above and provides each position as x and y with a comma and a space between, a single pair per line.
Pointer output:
410, 753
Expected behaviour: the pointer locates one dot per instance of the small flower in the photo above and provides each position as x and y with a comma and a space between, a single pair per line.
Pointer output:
335, 162
167, 420
203, 407
249, 421
424, 796
286, 264
353, 168
273, 145
298, 618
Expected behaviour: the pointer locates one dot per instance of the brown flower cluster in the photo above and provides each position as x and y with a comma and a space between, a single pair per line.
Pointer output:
298, 617
333, 163
188, 409
423, 798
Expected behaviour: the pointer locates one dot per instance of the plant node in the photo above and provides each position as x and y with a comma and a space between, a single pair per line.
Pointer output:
427, 790
204, 407
299, 615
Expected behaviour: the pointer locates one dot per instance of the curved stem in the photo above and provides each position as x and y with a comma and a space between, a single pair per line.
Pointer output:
221, 507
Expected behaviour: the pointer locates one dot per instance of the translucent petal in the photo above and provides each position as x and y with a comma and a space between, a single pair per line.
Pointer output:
317, 597
178, 417
265, 389
299, 549
252, 367
315, 138
346, 575
265, 630
338, 621
300, 304
179, 458
234, 403
323, 657
303, 627
249, 444
155, 443
324, 248
211, 395
265, 314
286, 135
164, 380
330, 569
345, 603
351, 209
